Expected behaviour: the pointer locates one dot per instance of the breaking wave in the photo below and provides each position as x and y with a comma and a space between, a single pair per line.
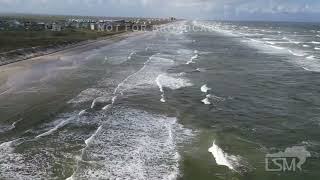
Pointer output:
133, 144
222, 158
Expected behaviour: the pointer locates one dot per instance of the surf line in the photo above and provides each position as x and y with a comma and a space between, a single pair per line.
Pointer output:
57, 127
89, 141
82, 112
206, 89
4, 92
116, 90
131, 54
222, 158
193, 57
161, 88
120, 85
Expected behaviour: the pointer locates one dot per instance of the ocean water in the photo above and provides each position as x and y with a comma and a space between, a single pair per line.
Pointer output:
182, 104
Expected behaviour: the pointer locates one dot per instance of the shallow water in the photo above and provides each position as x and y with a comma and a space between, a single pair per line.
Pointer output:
174, 105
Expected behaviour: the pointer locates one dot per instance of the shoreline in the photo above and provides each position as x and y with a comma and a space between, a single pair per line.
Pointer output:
28, 54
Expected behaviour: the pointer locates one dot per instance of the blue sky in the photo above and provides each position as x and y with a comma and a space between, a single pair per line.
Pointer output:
292, 10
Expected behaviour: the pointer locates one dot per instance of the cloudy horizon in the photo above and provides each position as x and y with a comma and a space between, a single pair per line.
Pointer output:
270, 10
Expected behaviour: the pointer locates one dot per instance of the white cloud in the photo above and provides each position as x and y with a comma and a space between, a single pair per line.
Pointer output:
182, 8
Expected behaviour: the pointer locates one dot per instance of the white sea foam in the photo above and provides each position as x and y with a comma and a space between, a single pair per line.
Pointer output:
277, 47
201, 69
144, 76
307, 69
101, 100
269, 45
291, 41
311, 57
212, 99
107, 107
297, 53
189, 62
55, 128
149, 76
223, 158
93, 103
254, 40
4, 92
160, 88
206, 101
270, 42
13, 125
315, 42
88, 142
91, 138
14, 165
170, 81
174, 81
152, 144
205, 88
118, 88
317, 48
133, 144
70, 178
131, 54
82, 112
269, 39
193, 57
216, 98
6, 147
100, 96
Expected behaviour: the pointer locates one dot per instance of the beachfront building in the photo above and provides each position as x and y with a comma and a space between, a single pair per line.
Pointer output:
41, 26
73, 25
83, 25
56, 27
92, 27
31, 26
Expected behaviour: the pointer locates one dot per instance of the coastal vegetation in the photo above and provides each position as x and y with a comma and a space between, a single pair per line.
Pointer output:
12, 40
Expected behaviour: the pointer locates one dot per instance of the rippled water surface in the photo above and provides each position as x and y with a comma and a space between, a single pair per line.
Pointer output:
166, 105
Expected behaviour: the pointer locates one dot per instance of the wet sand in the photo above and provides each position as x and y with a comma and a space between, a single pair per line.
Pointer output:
16, 67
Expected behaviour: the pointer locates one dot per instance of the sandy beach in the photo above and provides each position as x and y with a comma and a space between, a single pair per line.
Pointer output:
14, 66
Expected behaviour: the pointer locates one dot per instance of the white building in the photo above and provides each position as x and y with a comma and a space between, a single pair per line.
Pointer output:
56, 27
92, 27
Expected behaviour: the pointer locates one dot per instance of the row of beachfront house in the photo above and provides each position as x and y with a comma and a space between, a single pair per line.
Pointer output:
97, 25
15, 25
